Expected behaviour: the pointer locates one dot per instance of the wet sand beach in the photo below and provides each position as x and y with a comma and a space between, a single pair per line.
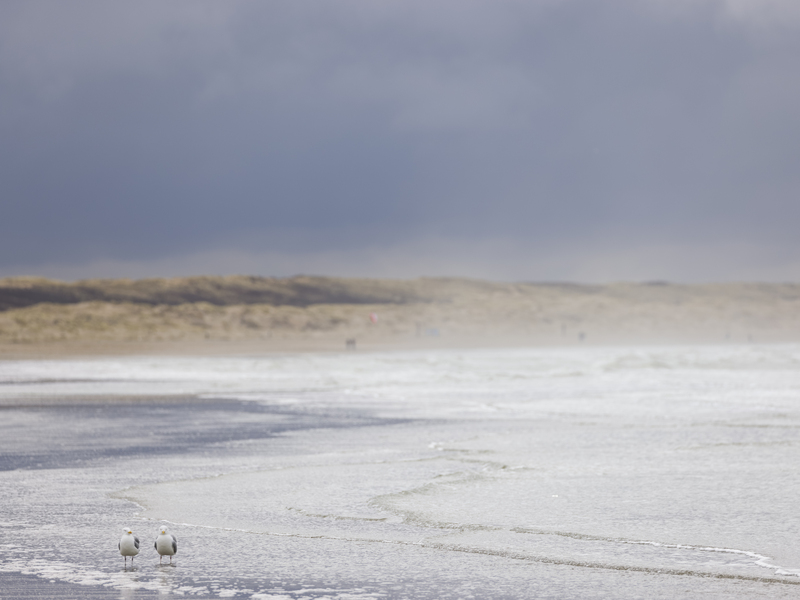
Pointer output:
517, 473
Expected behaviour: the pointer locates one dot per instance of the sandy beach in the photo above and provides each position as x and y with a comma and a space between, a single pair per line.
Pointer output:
528, 440
235, 315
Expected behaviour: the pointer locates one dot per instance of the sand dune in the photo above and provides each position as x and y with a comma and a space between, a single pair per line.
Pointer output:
254, 313
18, 292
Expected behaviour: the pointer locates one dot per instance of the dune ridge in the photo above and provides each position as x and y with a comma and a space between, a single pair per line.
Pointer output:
19, 292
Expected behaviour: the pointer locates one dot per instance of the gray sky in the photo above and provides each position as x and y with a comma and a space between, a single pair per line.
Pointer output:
508, 139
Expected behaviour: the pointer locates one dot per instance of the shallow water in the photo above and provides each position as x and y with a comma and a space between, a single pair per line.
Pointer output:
551, 473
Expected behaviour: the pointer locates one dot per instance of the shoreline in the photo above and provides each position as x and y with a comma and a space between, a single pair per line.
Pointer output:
69, 350
96, 349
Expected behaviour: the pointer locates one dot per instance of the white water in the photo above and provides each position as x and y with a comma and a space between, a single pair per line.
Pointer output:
555, 473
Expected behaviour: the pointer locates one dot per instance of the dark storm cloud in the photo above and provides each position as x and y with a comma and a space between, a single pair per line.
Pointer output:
148, 130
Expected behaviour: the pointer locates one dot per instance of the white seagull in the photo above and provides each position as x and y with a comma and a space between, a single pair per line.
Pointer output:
128, 545
166, 545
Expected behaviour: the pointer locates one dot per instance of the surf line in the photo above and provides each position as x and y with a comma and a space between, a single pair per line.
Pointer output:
759, 559
527, 557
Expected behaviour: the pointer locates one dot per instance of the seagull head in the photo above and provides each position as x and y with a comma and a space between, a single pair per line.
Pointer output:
164, 531
128, 531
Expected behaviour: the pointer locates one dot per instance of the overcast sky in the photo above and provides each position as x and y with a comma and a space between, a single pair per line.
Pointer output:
578, 140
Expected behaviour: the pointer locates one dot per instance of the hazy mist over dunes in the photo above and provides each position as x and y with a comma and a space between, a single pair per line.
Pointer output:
517, 141
197, 314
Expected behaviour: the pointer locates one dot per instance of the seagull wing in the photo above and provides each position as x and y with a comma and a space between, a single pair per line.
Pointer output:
155, 544
136, 542
174, 544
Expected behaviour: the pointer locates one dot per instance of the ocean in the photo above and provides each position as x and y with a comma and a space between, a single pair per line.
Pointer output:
646, 472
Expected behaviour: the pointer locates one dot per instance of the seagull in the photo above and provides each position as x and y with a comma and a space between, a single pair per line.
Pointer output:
128, 545
166, 545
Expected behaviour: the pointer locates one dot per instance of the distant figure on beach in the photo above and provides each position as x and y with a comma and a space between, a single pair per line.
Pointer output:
350, 343
581, 336
373, 317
